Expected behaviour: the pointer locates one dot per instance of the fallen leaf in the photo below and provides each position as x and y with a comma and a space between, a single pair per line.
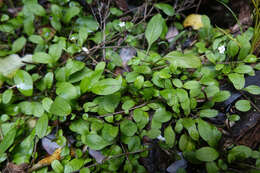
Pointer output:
182, 163
48, 144
126, 54
49, 159
122, 5
13, 168
171, 34
97, 155
193, 20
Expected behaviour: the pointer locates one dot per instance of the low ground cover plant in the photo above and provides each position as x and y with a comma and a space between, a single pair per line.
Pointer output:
108, 87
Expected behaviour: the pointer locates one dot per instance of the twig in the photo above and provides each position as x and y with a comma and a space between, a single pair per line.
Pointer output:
34, 151
104, 28
36, 167
159, 67
96, 62
120, 112
116, 156
198, 6
1, 134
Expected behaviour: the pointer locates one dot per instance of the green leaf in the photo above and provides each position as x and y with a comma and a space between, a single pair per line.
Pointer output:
79, 126
128, 105
107, 86
138, 83
161, 115
94, 141
208, 113
56, 10
48, 80
42, 57
128, 127
7, 96
242, 68
212, 167
7, 140
239, 153
141, 118
18, 44
29, 25
232, 48
83, 34
183, 60
206, 154
190, 125
23, 152
73, 165
233, 117
166, 8
208, 132
23, 82
73, 66
36, 9
70, 13
31, 108
109, 132
250, 59
60, 107
238, 80
36, 39
116, 11
66, 90
192, 84
169, 136
55, 51
92, 77
46, 104
243, 105
221, 96
253, 89
186, 143
178, 126
57, 166
42, 125
84, 170
143, 69
177, 82
154, 29
111, 102
245, 47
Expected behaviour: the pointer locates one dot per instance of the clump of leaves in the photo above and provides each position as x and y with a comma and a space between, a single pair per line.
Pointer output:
75, 84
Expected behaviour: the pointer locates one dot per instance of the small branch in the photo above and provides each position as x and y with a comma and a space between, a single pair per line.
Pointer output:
1, 134
120, 112
116, 156
34, 150
198, 6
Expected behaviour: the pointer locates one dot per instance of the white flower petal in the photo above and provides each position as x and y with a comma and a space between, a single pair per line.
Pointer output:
122, 24
85, 50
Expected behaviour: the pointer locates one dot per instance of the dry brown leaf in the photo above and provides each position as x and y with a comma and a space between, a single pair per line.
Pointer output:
122, 5
13, 168
49, 159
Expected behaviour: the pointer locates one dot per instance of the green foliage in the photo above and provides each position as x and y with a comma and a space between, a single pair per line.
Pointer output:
74, 75
154, 29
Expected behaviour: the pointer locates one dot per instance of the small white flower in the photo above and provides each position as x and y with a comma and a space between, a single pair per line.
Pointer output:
122, 24
160, 138
73, 38
221, 49
85, 50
